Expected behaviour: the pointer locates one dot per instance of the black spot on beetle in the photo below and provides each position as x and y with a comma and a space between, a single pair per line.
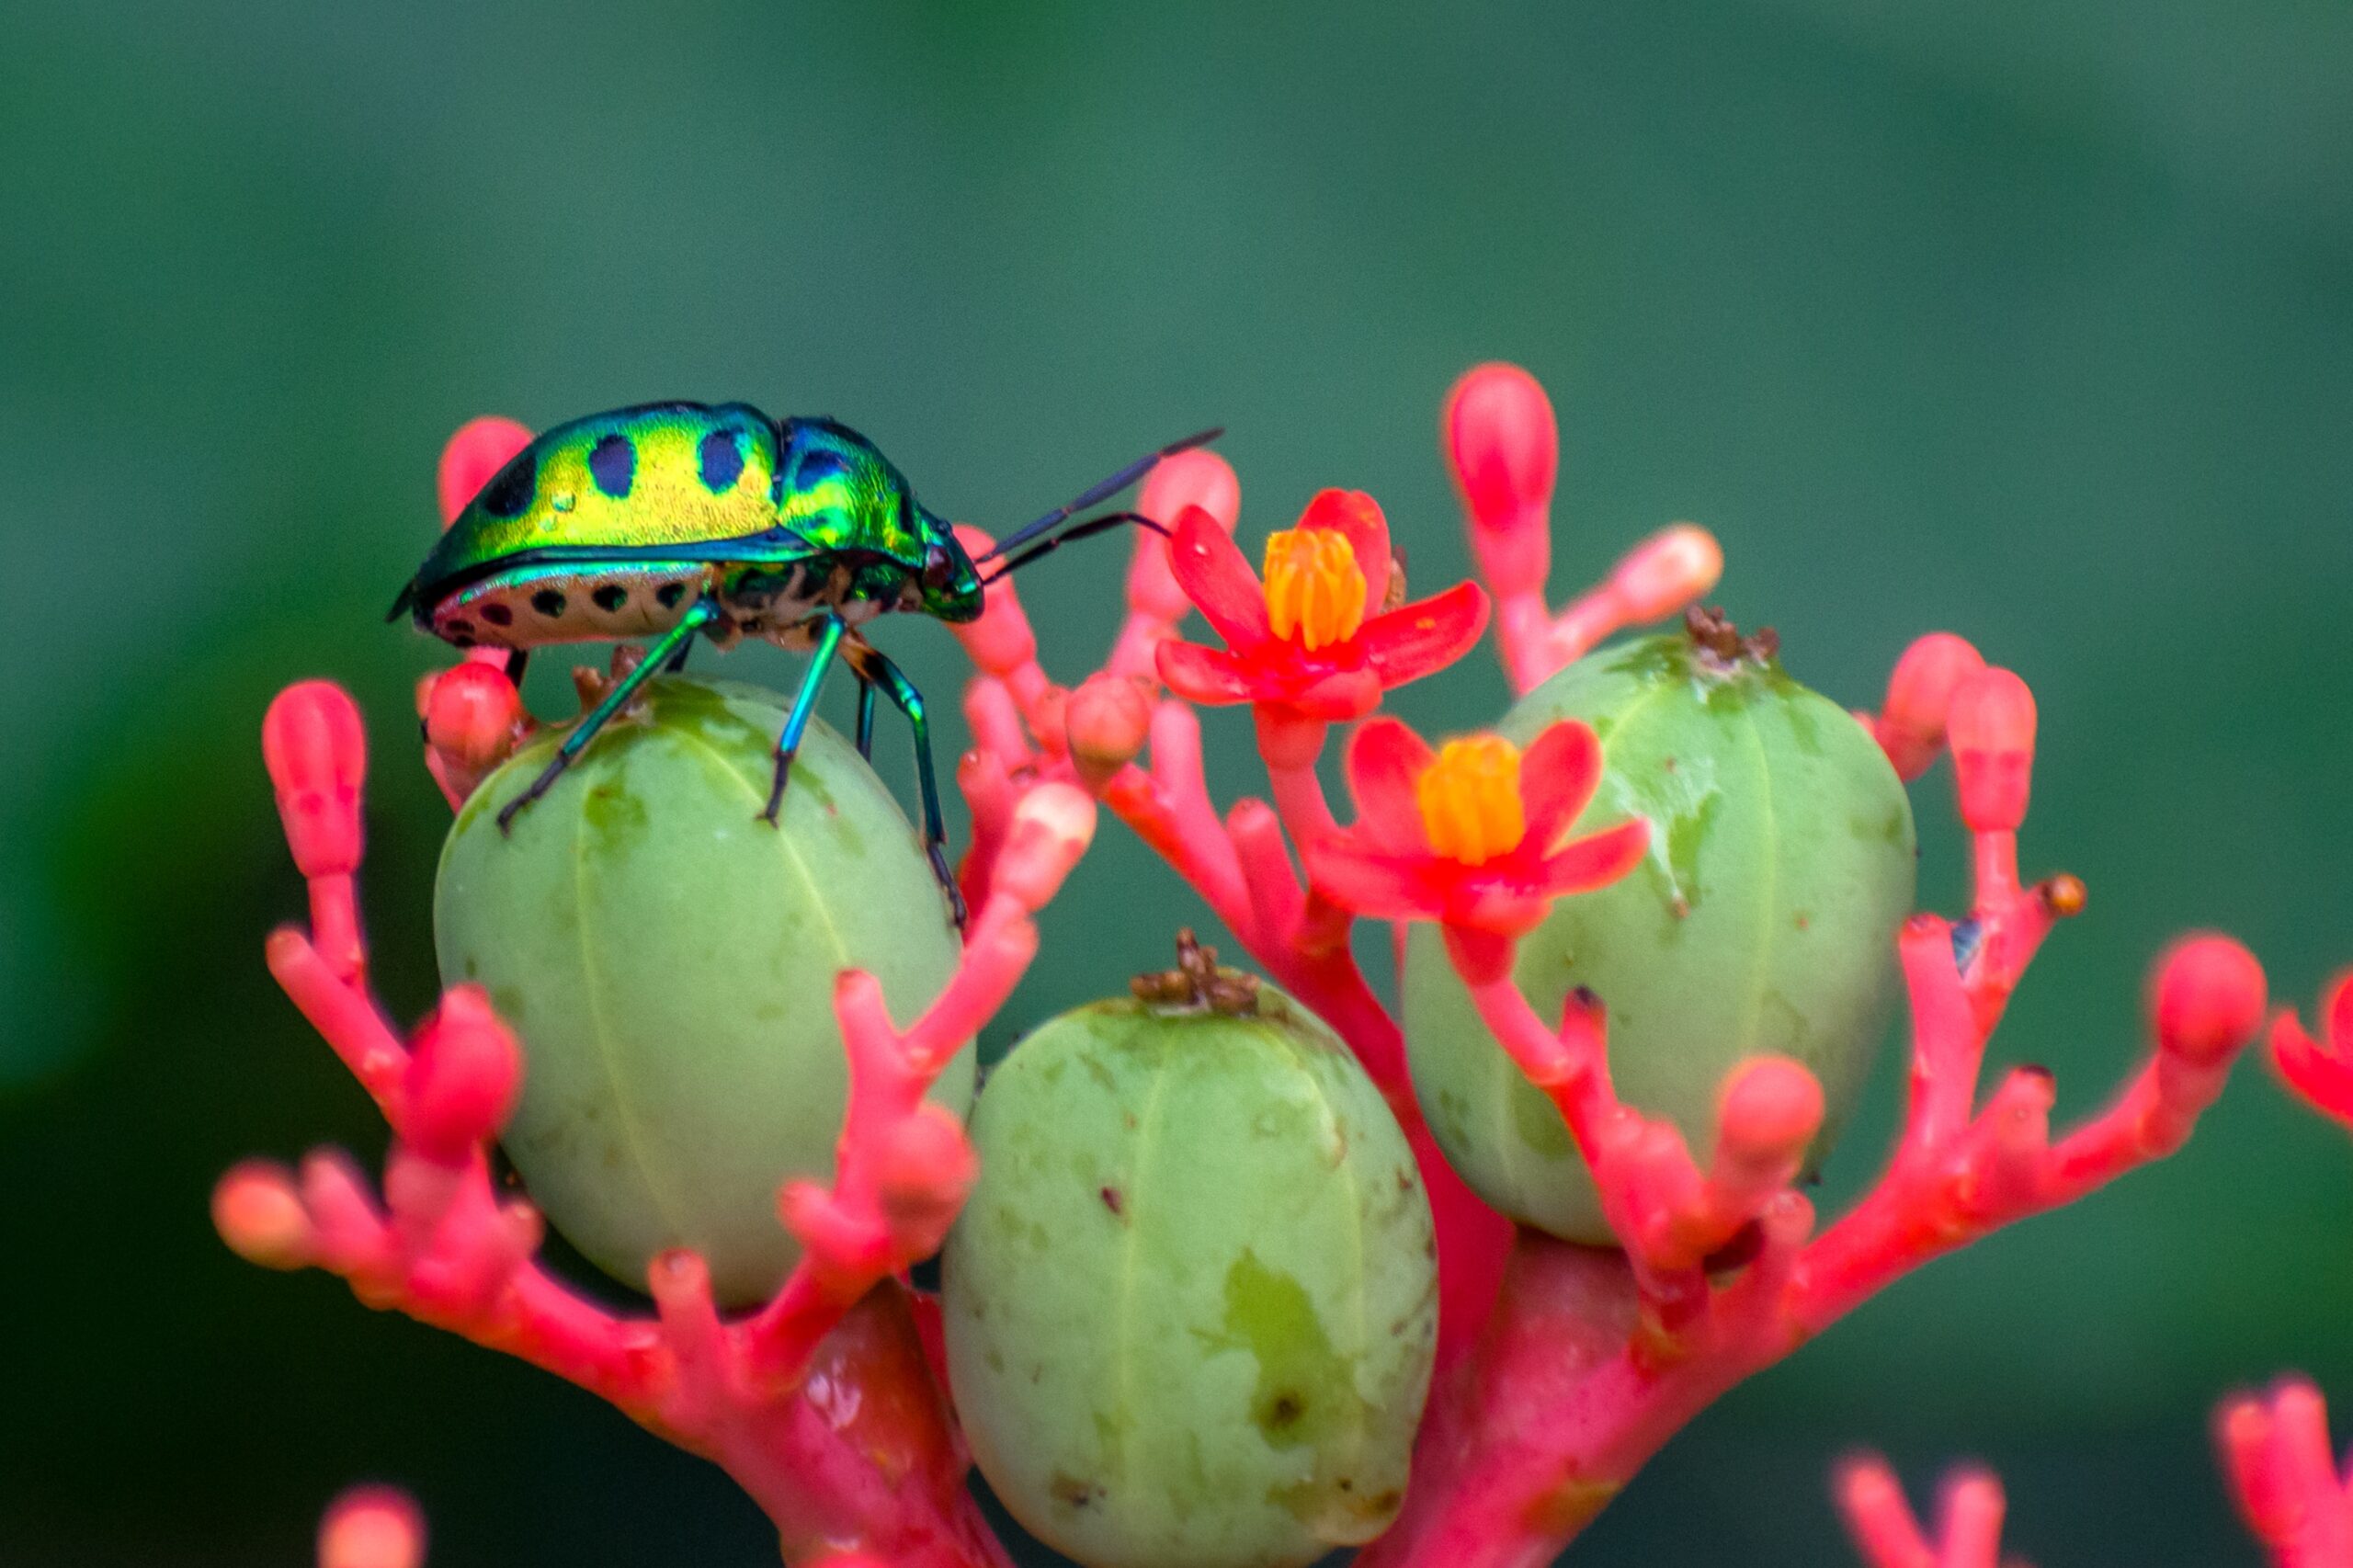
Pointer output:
548, 602
509, 492
462, 641
669, 594
498, 615
462, 628
721, 459
612, 463
610, 597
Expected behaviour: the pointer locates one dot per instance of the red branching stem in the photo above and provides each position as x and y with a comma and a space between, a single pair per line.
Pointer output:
2279, 1466
822, 1404
1887, 1534
372, 1527
1595, 1357
1504, 447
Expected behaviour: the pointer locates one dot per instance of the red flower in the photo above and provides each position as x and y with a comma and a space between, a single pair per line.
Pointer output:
1474, 834
1312, 637
2321, 1070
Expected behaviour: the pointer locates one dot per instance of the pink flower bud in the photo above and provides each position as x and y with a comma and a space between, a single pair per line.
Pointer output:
462, 1073
1771, 1108
1919, 697
1503, 442
372, 1527
2206, 999
258, 1213
924, 1170
1198, 478
1052, 828
1108, 719
479, 449
1991, 723
316, 751
1666, 571
472, 714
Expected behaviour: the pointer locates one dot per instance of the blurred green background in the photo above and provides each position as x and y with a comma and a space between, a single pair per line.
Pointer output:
2030, 321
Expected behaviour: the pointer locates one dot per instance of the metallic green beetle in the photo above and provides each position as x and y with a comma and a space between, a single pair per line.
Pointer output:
673, 518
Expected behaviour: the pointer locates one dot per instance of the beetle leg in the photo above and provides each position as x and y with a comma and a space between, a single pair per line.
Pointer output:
699, 615
805, 703
865, 711
677, 665
515, 660
879, 672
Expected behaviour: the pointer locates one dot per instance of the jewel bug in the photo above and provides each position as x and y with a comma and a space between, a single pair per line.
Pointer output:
669, 519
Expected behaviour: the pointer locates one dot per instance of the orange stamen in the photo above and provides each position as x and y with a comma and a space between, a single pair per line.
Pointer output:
1314, 588
1470, 799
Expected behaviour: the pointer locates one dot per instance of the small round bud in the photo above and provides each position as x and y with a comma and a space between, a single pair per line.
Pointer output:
1503, 442
1196, 478
2206, 998
1919, 698
1991, 723
472, 715
1666, 571
372, 1527
258, 1213
461, 1082
1771, 1109
1108, 719
316, 751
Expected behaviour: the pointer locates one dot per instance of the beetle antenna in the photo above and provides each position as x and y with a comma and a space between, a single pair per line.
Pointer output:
1103, 491
1079, 531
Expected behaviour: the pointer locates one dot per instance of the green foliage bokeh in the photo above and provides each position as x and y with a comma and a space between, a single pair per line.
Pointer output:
2030, 321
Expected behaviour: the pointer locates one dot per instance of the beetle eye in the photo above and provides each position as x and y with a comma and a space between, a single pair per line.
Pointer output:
936, 568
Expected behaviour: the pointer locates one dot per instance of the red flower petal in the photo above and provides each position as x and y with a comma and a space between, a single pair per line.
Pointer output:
1356, 516
1411, 640
1337, 696
1384, 759
2339, 1022
1210, 676
1558, 775
1209, 568
1387, 886
1596, 860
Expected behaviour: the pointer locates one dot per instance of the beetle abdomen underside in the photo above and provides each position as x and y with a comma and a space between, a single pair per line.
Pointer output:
532, 606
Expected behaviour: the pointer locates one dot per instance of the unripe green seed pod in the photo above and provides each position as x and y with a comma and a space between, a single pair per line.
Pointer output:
1191, 1306
1764, 919
667, 960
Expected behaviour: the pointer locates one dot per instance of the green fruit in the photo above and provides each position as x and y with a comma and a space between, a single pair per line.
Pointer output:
1191, 1306
1764, 919
667, 960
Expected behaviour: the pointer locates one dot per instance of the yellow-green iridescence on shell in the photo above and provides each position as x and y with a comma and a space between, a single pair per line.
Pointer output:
1764, 919
1191, 1307
667, 961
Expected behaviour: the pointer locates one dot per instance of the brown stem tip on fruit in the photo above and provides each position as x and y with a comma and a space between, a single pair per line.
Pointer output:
1197, 982
1712, 631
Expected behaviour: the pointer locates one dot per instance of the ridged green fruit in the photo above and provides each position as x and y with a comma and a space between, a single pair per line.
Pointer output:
1764, 919
667, 960
1191, 1306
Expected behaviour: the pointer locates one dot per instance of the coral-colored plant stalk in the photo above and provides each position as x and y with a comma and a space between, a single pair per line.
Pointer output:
1889, 1535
